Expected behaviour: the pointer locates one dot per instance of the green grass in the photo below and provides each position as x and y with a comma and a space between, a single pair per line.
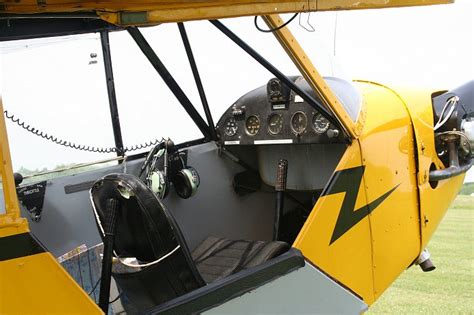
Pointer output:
450, 288
467, 189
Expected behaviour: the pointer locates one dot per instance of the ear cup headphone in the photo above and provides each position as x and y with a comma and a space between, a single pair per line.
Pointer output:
186, 182
164, 165
156, 180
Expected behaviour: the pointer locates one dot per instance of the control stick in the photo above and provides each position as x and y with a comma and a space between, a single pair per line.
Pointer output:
280, 187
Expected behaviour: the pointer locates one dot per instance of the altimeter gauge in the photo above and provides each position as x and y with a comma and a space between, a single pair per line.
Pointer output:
320, 124
299, 122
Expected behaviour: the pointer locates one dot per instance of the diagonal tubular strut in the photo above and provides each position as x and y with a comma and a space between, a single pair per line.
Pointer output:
197, 78
169, 80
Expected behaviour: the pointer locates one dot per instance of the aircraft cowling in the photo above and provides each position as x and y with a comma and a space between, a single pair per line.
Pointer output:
462, 112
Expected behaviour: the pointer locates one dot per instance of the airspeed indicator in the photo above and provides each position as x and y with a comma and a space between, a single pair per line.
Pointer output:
275, 124
252, 125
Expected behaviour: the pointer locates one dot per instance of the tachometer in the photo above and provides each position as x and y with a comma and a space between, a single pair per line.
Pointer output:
252, 125
275, 124
320, 124
230, 127
299, 122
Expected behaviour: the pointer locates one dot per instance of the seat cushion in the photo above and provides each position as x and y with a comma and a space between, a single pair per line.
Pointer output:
216, 258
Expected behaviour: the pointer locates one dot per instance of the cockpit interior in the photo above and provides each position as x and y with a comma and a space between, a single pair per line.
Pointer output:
229, 205
206, 212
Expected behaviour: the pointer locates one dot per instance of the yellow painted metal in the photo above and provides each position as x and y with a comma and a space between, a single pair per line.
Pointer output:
349, 259
369, 256
37, 284
162, 11
388, 153
34, 284
312, 76
376, 250
11, 222
434, 202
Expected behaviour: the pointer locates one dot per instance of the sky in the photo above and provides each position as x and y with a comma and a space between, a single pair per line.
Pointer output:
51, 84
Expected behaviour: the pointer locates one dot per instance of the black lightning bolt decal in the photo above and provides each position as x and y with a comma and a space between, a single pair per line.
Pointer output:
349, 181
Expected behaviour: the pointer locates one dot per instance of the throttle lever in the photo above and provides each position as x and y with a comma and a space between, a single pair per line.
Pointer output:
280, 187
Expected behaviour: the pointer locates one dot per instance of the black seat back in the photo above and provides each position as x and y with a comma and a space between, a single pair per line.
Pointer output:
145, 229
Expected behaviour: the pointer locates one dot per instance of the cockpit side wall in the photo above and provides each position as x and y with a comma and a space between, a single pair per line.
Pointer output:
31, 280
364, 230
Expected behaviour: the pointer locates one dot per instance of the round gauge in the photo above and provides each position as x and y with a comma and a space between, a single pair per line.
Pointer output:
230, 127
299, 121
320, 124
252, 125
275, 124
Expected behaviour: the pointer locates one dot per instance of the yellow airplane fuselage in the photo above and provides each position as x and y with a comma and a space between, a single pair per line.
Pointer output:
391, 209
374, 217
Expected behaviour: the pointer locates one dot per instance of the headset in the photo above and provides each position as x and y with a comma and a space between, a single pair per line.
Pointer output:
164, 165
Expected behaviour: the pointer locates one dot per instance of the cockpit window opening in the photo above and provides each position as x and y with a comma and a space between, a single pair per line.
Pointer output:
56, 85
147, 109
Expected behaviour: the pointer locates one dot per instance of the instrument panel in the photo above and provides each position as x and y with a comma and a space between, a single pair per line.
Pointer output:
273, 114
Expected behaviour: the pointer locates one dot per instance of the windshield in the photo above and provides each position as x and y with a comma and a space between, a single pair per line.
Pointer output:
228, 72
54, 87
57, 85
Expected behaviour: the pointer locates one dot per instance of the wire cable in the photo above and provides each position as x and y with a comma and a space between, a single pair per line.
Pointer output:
72, 145
94, 287
118, 297
271, 30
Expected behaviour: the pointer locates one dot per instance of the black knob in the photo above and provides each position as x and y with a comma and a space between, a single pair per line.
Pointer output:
18, 178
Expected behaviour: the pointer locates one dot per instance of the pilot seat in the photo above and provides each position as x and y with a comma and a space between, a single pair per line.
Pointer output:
164, 268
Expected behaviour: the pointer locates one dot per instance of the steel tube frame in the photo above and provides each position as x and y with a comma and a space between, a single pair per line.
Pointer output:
197, 79
109, 75
169, 80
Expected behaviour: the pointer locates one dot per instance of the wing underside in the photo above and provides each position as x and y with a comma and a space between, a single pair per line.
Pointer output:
162, 11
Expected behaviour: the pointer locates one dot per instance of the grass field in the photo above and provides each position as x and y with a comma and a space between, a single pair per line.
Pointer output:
450, 288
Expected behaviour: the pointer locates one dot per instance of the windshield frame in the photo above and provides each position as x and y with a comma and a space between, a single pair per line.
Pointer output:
295, 52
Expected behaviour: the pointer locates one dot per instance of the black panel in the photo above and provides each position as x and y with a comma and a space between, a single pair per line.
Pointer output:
19, 245
14, 28
32, 197
74, 188
260, 103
